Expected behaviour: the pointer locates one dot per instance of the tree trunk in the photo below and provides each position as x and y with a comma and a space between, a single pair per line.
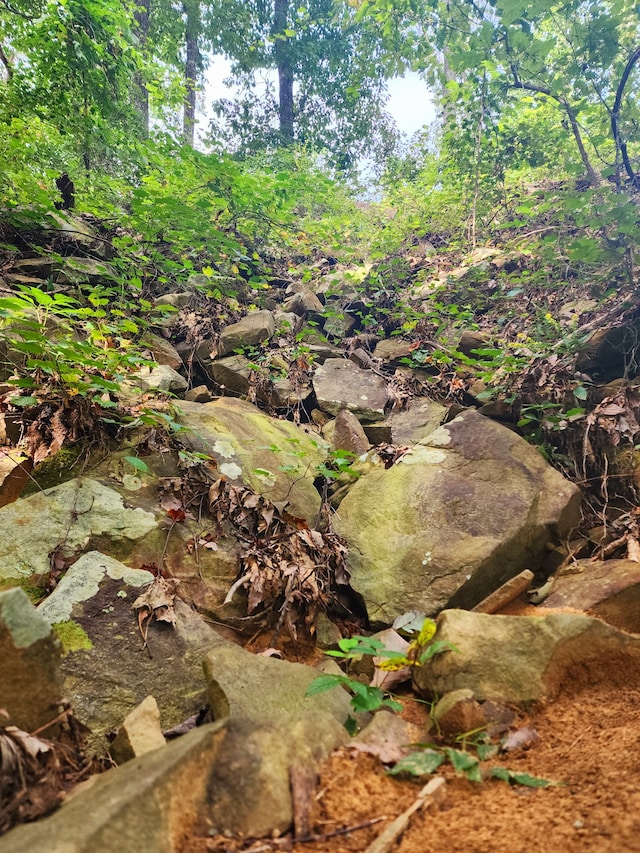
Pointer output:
141, 94
285, 71
191, 10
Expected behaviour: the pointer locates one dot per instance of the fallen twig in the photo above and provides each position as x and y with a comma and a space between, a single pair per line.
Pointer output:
385, 841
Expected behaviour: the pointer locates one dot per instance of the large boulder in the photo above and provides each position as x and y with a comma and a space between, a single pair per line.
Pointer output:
114, 669
66, 518
149, 805
526, 658
467, 508
273, 457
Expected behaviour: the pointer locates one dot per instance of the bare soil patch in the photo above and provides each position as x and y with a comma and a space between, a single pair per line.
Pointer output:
589, 741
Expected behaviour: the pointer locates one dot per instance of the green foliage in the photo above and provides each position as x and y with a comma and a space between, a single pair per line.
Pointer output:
366, 697
50, 358
426, 761
338, 69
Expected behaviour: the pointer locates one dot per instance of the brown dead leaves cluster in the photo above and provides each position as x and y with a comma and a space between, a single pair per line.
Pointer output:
289, 572
36, 772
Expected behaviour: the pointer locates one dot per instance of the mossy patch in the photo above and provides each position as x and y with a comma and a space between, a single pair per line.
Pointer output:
72, 636
55, 469
33, 586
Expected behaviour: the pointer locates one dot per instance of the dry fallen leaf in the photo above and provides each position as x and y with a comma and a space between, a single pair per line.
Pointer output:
156, 602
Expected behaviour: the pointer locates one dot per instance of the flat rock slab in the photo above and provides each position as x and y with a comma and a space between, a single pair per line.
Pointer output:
30, 680
341, 384
252, 448
609, 590
526, 658
469, 506
67, 517
81, 583
149, 805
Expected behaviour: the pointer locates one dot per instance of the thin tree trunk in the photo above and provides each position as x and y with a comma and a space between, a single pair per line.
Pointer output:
191, 9
285, 71
593, 177
141, 95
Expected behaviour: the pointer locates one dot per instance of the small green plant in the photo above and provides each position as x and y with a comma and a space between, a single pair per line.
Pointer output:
427, 760
365, 697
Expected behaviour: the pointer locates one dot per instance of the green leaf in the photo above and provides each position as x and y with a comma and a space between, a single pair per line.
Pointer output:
418, 763
24, 401
136, 463
323, 683
520, 778
465, 763
580, 393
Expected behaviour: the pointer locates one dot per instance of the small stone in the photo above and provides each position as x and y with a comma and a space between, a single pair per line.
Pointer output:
140, 732
348, 434
199, 394
458, 712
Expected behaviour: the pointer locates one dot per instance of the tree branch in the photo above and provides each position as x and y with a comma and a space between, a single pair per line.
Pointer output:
615, 115
18, 12
5, 61
594, 177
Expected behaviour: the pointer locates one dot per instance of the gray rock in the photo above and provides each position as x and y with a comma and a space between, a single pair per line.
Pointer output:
340, 384
362, 358
338, 323
149, 805
250, 787
159, 378
608, 589
162, 351
252, 330
30, 681
232, 374
253, 448
81, 582
199, 394
303, 303
467, 508
417, 423
393, 349
458, 712
265, 689
106, 681
526, 658
79, 270
471, 340
68, 517
278, 726
176, 300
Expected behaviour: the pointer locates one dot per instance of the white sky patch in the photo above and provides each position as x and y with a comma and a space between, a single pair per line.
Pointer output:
410, 101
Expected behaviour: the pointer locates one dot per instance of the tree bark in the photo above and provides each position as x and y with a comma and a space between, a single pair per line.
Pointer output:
191, 10
141, 95
285, 72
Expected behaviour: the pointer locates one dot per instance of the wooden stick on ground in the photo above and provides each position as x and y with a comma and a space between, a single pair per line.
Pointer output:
388, 837
505, 594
